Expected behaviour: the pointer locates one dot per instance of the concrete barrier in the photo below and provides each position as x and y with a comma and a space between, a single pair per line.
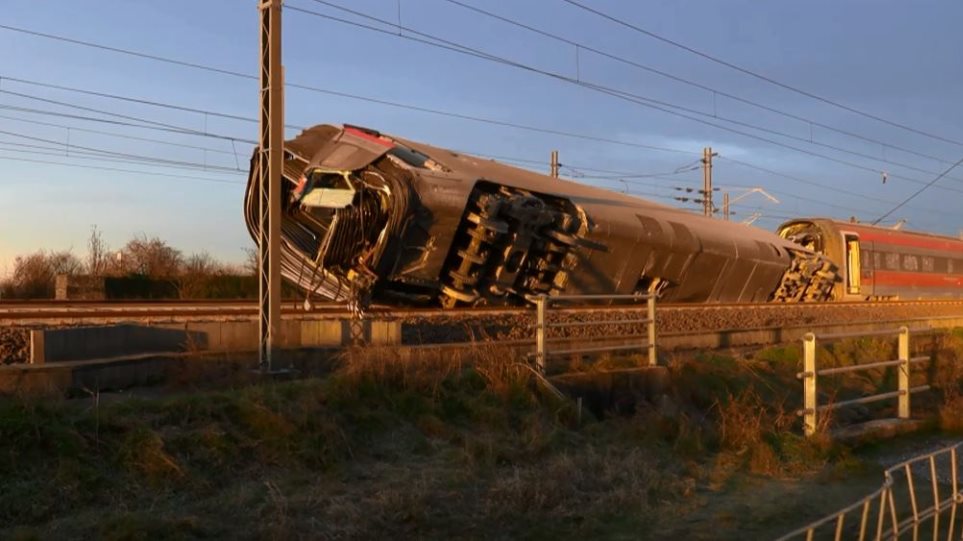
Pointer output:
87, 343
112, 341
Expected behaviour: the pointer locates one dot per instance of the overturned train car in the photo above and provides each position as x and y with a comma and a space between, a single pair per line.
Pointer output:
881, 263
369, 217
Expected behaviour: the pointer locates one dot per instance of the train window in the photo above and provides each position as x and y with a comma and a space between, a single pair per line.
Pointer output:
949, 266
910, 263
892, 261
852, 264
928, 263
877, 260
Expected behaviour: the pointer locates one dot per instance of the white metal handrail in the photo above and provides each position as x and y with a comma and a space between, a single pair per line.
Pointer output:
810, 373
543, 304
880, 514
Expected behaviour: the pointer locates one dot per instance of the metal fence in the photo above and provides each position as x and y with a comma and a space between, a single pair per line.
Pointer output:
544, 304
810, 376
919, 498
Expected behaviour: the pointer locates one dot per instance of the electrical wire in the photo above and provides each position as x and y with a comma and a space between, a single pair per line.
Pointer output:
759, 76
213, 168
919, 191
625, 96
715, 91
238, 74
115, 169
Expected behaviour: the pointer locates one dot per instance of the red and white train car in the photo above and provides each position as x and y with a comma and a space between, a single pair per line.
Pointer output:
881, 263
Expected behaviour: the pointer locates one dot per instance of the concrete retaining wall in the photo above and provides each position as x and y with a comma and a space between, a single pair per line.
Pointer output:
91, 343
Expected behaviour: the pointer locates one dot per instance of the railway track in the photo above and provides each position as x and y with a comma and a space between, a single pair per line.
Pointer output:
78, 312
687, 323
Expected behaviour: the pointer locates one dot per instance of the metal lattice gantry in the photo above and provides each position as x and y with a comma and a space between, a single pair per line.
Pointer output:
270, 161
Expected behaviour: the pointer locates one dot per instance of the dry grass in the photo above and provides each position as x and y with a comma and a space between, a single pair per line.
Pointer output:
411, 443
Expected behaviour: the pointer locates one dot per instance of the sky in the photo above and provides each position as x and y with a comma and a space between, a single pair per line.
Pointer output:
70, 161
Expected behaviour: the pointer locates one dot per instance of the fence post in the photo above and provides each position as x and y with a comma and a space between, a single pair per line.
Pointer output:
809, 384
650, 305
541, 304
904, 373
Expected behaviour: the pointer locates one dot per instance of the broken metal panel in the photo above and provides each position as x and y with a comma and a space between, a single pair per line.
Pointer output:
403, 222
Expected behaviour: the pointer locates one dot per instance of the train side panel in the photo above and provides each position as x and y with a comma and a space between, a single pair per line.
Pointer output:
880, 263
375, 218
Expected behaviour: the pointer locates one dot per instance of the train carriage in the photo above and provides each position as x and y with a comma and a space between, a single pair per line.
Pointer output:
372, 217
882, 263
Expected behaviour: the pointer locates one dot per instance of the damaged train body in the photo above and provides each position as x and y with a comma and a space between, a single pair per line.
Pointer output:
369, 217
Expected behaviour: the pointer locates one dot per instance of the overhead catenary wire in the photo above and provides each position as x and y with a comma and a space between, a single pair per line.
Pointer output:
464, 50
62, 152
411, 107
117, 154
167, 126
919, 191
760, 76
619, 94
209, 68
117, 135
662, 73
121, 170
614, 173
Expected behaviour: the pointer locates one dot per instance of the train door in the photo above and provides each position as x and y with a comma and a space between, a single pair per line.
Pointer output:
853, 267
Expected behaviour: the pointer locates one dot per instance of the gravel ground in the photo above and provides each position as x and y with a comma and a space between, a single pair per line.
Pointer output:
14, 347
669, 320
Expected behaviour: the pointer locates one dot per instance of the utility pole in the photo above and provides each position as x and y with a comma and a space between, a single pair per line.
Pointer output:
707, 181
725, 205
270, 161
555, 164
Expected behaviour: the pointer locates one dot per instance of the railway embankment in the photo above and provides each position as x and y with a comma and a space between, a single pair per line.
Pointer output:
383, 443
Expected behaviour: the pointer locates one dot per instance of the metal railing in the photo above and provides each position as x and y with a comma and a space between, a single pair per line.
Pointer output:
543, 304
810, 375
900, 506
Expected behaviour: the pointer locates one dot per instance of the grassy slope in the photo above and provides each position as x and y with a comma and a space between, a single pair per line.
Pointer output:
427, 448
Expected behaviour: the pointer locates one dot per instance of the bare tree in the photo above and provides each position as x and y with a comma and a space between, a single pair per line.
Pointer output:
251, 261
34, 274
151, 257
196, 272
96, 253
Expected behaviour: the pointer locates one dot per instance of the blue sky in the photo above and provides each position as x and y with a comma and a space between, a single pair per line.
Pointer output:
898, 60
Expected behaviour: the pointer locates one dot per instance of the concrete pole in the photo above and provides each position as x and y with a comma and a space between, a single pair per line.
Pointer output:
555, 163
707, 181
725, 205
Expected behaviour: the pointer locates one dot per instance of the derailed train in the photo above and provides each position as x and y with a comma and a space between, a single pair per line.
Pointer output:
369, 217
883, 263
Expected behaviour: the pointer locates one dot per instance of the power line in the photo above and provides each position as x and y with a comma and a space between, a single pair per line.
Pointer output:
759, 75
115, 169
625, 96
182, 131
153, 103
100, 157
116, 115
332, 92
713, 90
117, 154
806, 181
919, 191
115, 134
385, 102
368, 99
126, 51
